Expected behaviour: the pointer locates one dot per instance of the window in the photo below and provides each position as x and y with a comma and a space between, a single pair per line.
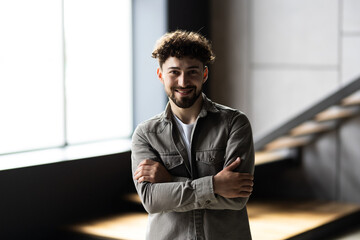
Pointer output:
65, 72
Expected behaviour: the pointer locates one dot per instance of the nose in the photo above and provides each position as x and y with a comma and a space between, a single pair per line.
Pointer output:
182, 80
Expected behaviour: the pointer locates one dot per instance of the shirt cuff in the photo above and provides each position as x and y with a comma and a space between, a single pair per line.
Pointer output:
205, 191
179, 179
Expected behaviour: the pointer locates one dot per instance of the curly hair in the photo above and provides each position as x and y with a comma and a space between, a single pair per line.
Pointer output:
183, 44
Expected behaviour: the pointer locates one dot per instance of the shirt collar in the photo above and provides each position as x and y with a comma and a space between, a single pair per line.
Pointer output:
208, 106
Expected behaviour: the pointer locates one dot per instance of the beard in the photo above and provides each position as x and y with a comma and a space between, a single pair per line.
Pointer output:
186, 101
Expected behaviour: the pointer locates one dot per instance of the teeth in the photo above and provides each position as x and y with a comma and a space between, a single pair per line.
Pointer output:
184, 91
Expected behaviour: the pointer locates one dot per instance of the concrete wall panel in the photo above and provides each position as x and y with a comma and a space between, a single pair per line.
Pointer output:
295, 32
351, 16
350, 58
278, 95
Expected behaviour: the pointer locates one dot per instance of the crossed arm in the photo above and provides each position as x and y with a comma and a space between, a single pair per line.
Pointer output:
226, 183
228, 189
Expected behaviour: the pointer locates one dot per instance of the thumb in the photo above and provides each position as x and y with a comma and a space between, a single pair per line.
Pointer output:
234, 164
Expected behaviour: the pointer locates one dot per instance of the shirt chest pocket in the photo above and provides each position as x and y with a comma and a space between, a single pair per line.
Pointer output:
209, 162
174, 163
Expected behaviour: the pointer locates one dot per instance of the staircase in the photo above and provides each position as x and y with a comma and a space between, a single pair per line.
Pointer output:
304, 128
303, 219
270, 219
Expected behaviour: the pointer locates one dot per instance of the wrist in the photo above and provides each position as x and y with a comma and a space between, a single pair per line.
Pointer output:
215, 187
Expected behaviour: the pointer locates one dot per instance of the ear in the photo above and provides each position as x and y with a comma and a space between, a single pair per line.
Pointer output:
159, 74
206, 74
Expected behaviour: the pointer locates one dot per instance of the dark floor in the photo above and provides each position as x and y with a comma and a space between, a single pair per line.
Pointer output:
351, 234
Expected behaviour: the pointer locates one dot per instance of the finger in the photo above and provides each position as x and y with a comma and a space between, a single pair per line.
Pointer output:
246, 189
246, 176
141, 168
244, 194
145, 162
138, 170
141, 179
245, 183
145, 168
234, 164
146, 179
138, 175
142, 173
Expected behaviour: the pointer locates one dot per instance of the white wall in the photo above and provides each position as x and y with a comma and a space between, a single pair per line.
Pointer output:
275, 58
294, 57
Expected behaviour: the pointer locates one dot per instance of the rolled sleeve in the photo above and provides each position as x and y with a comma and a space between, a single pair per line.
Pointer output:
205, 190
205, 195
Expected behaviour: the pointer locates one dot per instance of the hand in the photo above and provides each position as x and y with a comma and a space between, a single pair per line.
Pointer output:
231, 184
152, 171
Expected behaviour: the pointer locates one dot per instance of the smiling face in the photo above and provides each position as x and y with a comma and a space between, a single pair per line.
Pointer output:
183, 80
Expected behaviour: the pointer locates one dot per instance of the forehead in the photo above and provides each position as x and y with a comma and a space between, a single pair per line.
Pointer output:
182, 63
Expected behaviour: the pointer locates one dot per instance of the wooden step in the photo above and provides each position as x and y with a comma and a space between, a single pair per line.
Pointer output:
312, 127
288, 142
263, 157
337, 112
353, 99
270, 220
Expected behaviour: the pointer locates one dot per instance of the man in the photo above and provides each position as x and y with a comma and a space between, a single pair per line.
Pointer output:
193, 163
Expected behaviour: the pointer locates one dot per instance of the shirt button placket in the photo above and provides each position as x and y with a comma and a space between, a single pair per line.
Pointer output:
199, 225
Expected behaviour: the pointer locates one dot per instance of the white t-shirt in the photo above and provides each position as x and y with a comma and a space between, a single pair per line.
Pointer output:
186, 131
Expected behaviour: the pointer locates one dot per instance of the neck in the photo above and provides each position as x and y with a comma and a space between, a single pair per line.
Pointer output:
187, 115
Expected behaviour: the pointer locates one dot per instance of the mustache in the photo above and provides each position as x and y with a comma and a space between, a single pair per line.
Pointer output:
183, 88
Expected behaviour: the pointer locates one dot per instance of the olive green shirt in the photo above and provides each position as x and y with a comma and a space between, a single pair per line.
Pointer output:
187, 207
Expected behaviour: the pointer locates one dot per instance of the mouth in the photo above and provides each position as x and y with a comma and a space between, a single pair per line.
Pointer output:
184, 91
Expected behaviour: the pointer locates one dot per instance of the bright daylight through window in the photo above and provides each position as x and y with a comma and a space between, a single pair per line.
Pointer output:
65, 72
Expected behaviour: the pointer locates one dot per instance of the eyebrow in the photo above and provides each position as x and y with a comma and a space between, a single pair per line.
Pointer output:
178, 68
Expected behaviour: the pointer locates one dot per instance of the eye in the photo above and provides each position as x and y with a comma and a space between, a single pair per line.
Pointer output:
174, 72
193, 72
